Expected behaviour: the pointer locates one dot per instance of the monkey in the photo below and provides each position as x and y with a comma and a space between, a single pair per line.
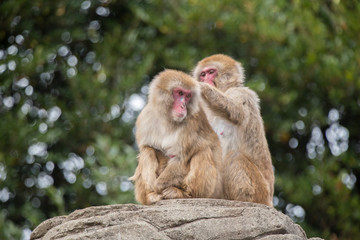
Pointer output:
233, 111
179, 153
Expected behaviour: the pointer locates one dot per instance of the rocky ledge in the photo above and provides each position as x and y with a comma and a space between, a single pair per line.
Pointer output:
173, 219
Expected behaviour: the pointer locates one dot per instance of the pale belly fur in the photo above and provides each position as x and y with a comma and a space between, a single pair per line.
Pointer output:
227, 133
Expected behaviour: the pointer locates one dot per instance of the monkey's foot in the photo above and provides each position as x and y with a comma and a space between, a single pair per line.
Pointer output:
173, 192
153, 197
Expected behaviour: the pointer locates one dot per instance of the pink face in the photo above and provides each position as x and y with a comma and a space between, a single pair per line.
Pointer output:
208, 75
181, 99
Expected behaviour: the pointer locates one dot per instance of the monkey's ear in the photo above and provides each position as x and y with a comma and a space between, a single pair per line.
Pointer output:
194, 106
241, 72
195, 72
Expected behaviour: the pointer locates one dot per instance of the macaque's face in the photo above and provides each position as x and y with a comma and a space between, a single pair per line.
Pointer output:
182, 98
208, 74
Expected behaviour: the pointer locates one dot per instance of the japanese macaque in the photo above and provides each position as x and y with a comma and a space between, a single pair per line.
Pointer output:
234, 113
180, 154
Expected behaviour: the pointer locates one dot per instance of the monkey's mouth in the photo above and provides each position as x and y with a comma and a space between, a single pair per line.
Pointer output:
179, 117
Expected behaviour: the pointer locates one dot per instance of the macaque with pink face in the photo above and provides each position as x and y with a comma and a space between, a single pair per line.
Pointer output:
181, 97
208, 75
180, 154
233, 111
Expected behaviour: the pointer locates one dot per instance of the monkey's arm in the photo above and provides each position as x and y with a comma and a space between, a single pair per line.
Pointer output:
145, 176
229, 108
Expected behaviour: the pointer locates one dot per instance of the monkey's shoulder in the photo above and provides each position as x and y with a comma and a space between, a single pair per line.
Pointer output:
147, 124
243, 96
243, 92
198, 122
145, 117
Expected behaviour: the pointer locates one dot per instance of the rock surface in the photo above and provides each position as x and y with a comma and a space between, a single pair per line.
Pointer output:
173, 219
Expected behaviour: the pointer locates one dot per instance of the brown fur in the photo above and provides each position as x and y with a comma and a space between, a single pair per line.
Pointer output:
234, 113
193, 170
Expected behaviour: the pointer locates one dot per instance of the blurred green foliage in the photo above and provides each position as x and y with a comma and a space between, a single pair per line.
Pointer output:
74, 75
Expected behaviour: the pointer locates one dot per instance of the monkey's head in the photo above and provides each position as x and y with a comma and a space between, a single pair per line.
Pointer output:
175, 95
221, 71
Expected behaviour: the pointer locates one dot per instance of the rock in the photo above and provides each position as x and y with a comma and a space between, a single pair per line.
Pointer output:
173, 219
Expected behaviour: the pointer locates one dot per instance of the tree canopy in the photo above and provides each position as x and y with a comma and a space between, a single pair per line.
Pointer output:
74, 75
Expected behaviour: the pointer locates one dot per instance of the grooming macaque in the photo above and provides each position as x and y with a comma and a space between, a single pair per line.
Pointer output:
180, 154
234, 113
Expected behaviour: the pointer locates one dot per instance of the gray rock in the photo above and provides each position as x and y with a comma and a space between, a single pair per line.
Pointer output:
173, 219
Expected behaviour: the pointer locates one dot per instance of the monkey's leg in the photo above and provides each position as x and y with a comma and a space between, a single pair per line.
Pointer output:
243, 181
172, 176
203, 179
145, 176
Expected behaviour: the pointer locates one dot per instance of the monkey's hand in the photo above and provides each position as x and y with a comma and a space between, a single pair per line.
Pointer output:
207, 91
222, 104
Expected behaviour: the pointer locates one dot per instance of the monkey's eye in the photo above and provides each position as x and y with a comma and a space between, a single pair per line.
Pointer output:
188, 96
181, 93
211, 71
202, 74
